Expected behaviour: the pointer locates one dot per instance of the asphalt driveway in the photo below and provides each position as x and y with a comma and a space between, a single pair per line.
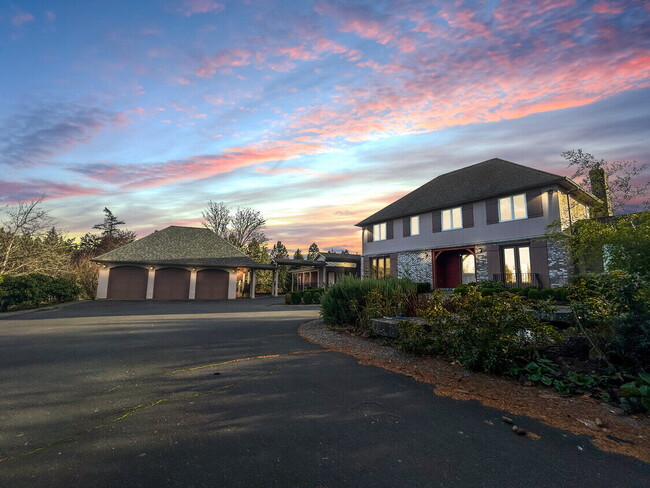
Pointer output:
193, 394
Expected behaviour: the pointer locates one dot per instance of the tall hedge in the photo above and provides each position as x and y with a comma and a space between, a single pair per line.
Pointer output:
35, 289
342, 302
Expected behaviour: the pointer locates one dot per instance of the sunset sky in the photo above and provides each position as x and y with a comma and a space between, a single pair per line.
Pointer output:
317, 113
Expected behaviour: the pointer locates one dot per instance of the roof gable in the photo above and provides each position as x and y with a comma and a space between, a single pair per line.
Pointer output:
483, 180
180, 245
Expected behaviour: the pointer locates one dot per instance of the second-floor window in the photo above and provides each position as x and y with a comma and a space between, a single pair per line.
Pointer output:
452, 218
415, 225
512, 208
379, 232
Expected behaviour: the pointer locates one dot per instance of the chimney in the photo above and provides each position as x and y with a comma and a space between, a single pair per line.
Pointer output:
600, 188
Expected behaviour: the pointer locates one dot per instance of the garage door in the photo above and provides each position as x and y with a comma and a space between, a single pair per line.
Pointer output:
171, 284
127, 283
212, 284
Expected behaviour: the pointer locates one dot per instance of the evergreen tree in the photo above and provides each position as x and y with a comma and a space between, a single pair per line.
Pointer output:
313, 251
298, 255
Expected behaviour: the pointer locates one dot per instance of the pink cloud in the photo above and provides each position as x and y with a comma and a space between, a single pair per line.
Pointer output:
155, 175
19, 18
224, 60
298, 53
51, 16
357, 21
13, 192
191, 7
607, 8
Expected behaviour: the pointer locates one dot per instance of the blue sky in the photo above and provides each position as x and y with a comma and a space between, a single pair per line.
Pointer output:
317, 113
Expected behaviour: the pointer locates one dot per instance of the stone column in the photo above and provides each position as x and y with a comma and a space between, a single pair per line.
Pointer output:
253, 282
192, 284
232, 284
150, 281
102, 284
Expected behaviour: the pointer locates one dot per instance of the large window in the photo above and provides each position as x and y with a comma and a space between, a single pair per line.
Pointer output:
452, 218
516, 265
512, 208
415, 225
380, 267
379, 232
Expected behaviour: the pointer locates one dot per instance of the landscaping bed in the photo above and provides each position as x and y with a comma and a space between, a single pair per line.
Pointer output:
608, 427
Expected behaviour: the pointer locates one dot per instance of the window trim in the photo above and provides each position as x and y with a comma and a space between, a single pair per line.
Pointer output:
379, 232
451, 218
511, 201
374, 268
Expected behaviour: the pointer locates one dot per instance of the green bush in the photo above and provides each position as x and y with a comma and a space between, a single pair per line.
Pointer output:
352, 301
485, 333
534, 294
423, 287
287, 299
36, 289
485, 287
296, 297
629, 346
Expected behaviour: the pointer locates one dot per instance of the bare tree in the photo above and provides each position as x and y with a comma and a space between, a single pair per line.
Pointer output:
216, 217
624, 190
246, 225
24, 222
240, 227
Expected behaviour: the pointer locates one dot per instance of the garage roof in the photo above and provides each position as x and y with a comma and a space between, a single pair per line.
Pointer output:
188, 246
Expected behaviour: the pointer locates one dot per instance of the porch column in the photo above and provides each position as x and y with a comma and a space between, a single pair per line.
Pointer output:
102, 284
192, 284
150, 281
253, 281
275, 282
232, 284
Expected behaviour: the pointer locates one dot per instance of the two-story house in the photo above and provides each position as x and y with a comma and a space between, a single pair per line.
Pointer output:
482, 222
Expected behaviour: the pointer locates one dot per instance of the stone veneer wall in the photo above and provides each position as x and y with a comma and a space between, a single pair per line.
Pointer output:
559, 267
365, 267
482, 266
415, 265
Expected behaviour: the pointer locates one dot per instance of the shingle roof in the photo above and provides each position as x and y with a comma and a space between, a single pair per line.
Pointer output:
189, 246
337, 257
483, 180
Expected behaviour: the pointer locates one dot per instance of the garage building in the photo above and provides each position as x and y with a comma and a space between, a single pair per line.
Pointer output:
178, 263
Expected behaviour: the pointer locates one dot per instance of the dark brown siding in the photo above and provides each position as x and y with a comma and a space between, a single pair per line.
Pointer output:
493, 260
468, 215
393, 265
406, 227
539, 261
127, 283
492, 210
534, 200
389, 230
436, 222
369, 233
212, 284
171, 284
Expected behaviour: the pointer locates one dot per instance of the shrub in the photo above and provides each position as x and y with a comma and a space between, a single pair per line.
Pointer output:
287, 299
486, 333
485, 287
629, 346
296, 297
423, 287
350, 301
35, 289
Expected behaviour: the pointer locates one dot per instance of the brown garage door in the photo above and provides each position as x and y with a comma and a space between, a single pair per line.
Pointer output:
171, 284
127, 283
212, 284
